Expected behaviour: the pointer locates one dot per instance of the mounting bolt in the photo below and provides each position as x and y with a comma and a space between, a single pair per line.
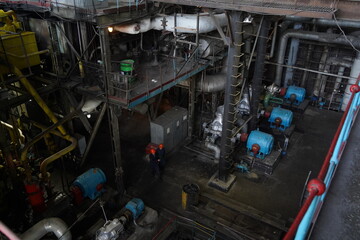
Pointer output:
316, 184
354, 88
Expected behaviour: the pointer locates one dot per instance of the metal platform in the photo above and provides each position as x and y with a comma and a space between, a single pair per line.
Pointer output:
266, 165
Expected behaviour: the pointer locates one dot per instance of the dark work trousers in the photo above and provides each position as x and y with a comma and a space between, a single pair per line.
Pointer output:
154, 165
161, 155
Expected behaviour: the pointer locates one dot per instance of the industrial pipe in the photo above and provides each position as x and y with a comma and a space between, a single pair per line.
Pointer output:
321, 79
10, 128
23, 156
324, 22
49, 225
313, 36
182, 23
215, 148
57, 155
37, 98
213, 83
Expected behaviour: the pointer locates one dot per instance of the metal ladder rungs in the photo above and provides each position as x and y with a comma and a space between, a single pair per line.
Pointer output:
236, 94
237, 76
236, 85
239, 45
238, 66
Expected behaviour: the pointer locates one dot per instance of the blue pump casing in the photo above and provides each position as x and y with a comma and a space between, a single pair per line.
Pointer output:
285, 115
136, 207
90, 182
264, 140
298, 92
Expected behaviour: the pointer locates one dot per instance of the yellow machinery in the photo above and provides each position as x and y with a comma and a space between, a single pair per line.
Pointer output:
17, 48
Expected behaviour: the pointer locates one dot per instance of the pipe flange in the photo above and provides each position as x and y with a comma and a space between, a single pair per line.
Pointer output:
316, 185
354, 88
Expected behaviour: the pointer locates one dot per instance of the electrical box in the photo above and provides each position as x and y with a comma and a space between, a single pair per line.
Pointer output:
170, 128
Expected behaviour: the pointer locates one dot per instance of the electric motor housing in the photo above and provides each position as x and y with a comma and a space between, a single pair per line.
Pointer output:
280, 118
295, 95
136, 207
263, 140
90, 183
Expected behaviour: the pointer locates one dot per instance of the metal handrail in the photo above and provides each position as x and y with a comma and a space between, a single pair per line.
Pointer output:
317, 187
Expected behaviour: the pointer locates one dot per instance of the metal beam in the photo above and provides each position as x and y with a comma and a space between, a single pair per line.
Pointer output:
82, 117
94, 132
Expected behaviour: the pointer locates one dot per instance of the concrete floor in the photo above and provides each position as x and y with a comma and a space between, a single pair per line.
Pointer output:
277, 195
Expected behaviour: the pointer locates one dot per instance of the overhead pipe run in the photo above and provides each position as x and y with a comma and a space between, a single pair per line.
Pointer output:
185, 23
324, 22
49, 225
313, 36
321, 79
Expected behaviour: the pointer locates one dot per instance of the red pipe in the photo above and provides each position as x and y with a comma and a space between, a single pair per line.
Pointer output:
317, 186
289, 235
326, 163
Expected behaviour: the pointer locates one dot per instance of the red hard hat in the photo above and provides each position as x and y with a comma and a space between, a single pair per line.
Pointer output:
161, 146
152, 151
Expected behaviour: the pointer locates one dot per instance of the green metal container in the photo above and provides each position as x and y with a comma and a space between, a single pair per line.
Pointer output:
127, 65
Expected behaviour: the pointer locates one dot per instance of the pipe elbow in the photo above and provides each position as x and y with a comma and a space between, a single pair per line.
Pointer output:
49, 225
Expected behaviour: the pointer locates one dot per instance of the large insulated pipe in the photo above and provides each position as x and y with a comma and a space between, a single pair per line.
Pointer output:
355, 71
185, 23
215, 148
259, 72
313, 36
49, 225
213, 83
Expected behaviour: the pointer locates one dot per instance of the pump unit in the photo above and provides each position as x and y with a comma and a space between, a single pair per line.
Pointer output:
295, 95
89, 184
112, 229
280, 118
259, 144
136, 207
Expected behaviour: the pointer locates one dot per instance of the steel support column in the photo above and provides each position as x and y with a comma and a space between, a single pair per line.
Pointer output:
192, 92
112, 116
259, 72
233, 80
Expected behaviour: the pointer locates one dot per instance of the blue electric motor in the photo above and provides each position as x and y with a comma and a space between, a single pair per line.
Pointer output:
136, 207
295, 95
280, 118
264, 143
91, 183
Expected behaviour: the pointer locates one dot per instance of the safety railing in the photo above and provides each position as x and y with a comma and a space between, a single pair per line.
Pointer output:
317, 187
148, 81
